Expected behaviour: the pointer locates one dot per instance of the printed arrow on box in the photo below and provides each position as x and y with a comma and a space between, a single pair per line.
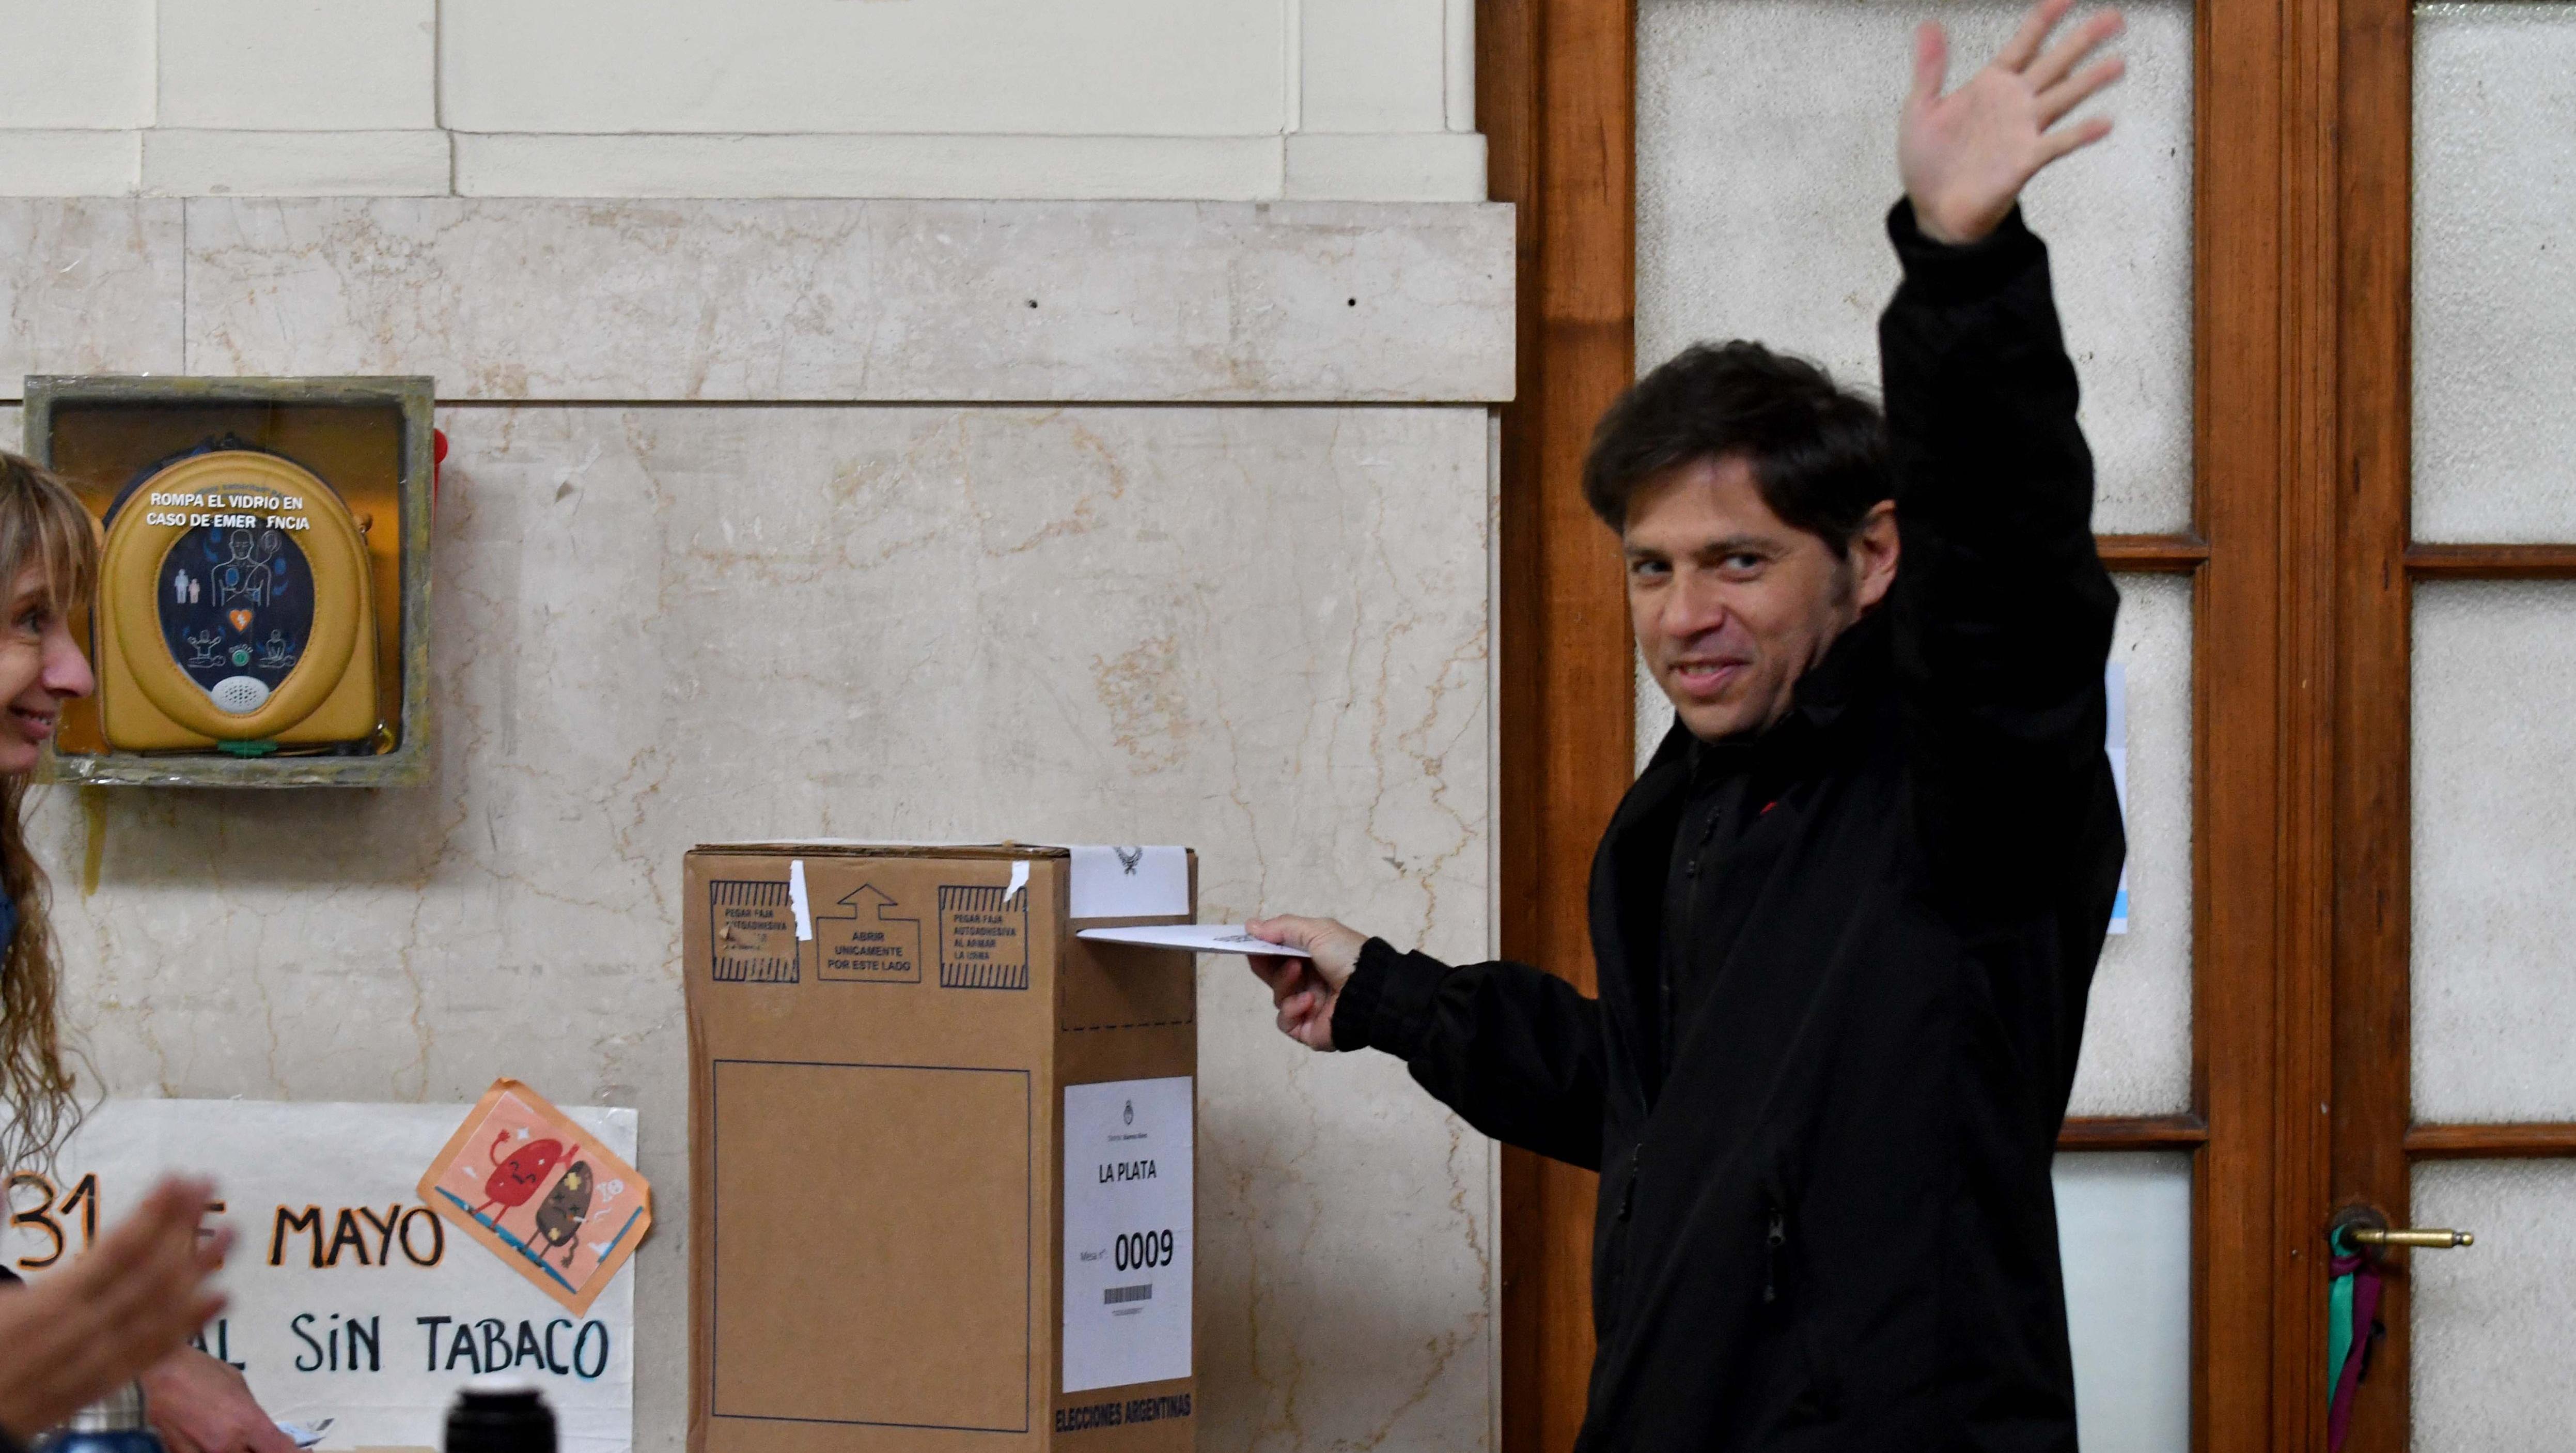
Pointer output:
866, 907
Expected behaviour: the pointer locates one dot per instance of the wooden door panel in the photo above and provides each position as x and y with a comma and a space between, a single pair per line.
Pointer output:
2448, 749
1556, 96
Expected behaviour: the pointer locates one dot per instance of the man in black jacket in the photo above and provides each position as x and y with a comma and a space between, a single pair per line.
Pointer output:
1845, 922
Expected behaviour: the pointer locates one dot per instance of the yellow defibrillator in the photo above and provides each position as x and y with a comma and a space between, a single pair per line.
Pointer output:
236, 611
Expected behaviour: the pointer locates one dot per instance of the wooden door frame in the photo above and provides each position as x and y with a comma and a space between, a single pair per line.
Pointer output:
2373, 806
1556, 101
1555, 94
2376, 1140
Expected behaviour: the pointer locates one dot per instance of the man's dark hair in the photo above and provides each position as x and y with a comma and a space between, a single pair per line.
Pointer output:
1818, 452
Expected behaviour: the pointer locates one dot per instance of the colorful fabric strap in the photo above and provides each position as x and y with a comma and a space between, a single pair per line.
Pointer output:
2352, 1314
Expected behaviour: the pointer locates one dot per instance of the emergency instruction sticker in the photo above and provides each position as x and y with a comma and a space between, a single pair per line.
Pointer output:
753, 928
1127, 1226
984, 935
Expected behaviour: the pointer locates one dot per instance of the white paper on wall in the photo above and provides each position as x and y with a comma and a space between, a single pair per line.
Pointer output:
349, 1299
1127, 1232
2115, 689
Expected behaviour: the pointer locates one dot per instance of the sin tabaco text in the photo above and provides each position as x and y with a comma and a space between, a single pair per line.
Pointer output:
64, 1221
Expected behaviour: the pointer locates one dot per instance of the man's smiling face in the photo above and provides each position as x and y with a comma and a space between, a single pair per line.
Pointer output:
1731, 604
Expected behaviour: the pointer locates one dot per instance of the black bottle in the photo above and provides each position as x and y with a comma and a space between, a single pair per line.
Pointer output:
500, 1420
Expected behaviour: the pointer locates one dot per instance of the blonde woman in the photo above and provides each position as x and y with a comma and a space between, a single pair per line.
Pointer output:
128, 1306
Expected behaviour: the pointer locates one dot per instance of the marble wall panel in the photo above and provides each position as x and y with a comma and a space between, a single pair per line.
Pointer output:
999, 67
94, 286
1263, 632
882, 300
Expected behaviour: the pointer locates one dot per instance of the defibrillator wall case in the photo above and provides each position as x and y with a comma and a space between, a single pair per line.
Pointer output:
262, 608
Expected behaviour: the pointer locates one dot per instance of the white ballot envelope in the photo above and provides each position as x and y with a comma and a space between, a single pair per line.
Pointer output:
1196, 938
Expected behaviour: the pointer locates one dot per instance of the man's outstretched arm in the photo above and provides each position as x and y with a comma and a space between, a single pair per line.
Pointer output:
1515, 1051
2002, 610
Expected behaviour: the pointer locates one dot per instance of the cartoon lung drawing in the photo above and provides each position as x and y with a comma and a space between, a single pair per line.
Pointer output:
566, 1207
516, 1178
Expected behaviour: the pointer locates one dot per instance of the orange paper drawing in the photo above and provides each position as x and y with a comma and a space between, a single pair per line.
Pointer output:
541, 1192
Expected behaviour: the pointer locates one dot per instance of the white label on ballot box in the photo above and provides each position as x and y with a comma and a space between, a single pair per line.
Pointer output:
1127, 1225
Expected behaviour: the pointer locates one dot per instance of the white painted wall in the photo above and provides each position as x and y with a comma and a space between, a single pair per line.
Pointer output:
1199, 99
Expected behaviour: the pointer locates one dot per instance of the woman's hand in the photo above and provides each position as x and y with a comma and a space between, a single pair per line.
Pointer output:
200, 1405
1305, 990
1966, 156
127, 1303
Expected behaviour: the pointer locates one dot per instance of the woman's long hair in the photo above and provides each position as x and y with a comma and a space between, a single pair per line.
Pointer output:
43, 524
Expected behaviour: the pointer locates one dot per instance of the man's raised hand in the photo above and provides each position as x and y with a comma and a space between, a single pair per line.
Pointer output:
1304, 991
1966, 156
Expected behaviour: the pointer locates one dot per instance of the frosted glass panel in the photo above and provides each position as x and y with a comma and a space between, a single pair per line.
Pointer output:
1766, 162
2495, 851
2495, 272
2124, 1237
2493, 1322
2137, 1034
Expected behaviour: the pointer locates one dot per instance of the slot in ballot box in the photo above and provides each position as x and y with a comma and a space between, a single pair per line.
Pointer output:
941, 1151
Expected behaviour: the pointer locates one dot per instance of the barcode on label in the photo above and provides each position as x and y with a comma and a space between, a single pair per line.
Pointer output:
1120, 1296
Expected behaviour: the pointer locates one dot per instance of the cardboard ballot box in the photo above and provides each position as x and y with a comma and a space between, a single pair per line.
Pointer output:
940, 1149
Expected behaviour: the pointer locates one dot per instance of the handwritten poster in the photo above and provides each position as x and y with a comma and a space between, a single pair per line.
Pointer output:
350, 1299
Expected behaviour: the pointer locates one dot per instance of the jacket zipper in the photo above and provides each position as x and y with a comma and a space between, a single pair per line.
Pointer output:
1777, 1237
1611, 1273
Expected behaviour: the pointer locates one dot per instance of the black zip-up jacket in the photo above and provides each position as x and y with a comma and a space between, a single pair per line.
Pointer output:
8, 1443
1825, 1218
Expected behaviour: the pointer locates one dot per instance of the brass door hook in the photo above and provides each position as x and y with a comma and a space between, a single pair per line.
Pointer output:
2431, 1239
2365, 1229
